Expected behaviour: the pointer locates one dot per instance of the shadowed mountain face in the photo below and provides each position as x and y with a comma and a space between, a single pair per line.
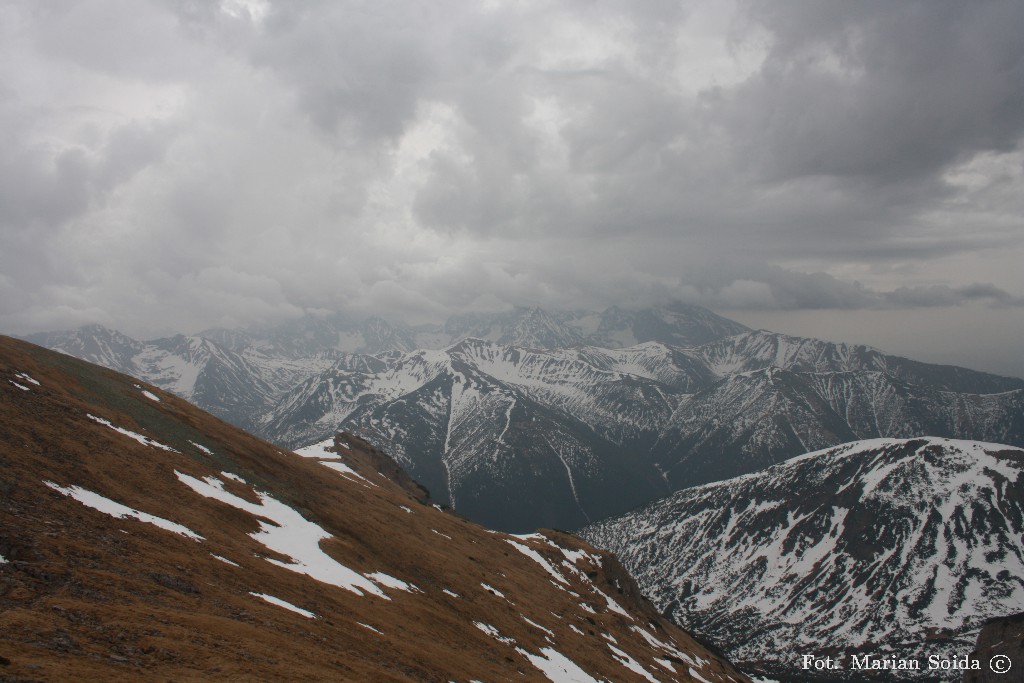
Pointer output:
884, 546
517, 431
519, 438
143, 539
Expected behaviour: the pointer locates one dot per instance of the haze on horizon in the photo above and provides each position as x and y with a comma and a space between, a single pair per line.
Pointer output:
852, 171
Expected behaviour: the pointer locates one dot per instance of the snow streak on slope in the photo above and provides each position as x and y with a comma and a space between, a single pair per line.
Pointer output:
289, 534
115, 509
868, 545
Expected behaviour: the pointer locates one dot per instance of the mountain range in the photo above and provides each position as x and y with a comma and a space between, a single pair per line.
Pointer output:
143, 539
533, 424
898, 548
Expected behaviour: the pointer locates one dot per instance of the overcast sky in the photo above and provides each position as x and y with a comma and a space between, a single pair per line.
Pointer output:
851, 170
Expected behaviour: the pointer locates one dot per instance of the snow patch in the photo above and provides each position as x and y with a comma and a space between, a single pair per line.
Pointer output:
391, 582
115, 509
632, 664
151, 396
359, 623
289, 534
536, 625
494, 590
224, 560
284, 603
204, 449
494, 633
539, 559
612, 605
557, 667
144, 440
20, 386
25, 377
318, 450
345, 470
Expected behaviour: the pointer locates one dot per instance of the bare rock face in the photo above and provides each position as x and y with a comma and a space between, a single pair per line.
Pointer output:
1000, 644
142, 539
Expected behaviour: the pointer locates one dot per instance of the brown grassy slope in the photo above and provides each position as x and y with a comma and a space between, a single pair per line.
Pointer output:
88, 596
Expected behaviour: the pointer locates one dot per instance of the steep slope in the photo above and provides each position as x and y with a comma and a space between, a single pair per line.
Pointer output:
94, 343
142, 539
900, 547
511, 437
535, 437
233, 378
1000, 643
756, 418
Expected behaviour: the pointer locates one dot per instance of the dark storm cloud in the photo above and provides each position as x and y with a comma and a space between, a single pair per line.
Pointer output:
249, 159
882, 91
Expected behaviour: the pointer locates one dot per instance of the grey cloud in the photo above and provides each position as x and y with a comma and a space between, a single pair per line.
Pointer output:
412, 158
882, 91
942, 295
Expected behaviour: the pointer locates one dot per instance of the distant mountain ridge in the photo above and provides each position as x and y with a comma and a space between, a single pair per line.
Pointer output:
896, 547
524, 436
676, 324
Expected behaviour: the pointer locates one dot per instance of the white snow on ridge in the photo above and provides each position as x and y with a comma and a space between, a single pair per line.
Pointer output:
294, 536
172, 373
144, 440
151, 396
284, 603
318, 450
115, 509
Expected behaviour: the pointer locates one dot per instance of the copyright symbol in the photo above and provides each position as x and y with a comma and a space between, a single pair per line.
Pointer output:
999, 664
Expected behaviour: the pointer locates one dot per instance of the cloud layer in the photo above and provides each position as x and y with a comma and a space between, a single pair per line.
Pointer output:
168, 165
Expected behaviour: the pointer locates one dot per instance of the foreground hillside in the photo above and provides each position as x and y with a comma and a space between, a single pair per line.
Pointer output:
902, 547
142, 539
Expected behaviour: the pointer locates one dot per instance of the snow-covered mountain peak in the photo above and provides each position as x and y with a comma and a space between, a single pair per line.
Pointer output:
883, 545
